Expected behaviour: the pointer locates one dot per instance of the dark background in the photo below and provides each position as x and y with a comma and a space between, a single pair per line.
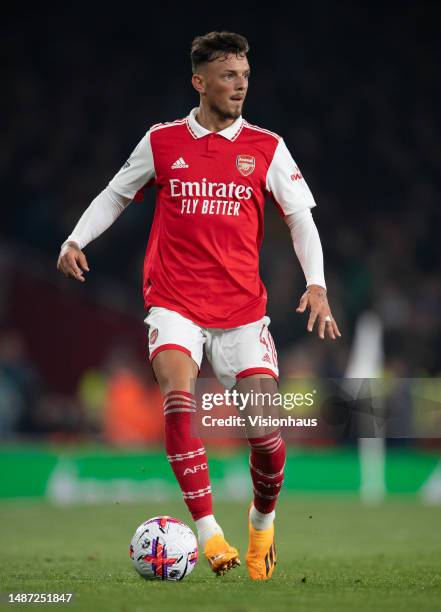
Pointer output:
353, 89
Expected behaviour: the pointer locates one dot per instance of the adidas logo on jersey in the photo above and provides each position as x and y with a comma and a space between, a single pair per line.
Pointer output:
179, 163
266, 358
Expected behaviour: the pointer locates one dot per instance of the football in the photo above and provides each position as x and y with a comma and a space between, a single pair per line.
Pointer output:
164, 548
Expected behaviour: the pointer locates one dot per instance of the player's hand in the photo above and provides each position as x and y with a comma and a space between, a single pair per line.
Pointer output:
315, 298
72, 262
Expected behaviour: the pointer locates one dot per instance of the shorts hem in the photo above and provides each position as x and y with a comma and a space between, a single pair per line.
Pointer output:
250, 371
172, 347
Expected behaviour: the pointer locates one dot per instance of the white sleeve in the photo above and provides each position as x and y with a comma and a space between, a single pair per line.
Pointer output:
102, 212
138, 170
307, 246
109, 204
286, 184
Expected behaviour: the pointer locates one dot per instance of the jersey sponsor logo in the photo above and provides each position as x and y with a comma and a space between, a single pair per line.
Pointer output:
208, 198
207, 189
179, 163
297, 175
245, 164
196, 468
153, 336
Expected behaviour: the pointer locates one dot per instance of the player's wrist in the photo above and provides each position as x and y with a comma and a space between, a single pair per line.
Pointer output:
69, 244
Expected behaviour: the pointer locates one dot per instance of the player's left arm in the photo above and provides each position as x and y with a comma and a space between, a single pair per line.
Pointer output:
294, 199
308, 248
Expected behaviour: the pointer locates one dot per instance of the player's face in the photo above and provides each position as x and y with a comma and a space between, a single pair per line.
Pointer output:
224, 85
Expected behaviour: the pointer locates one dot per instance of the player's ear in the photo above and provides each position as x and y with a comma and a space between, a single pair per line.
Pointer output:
197, 81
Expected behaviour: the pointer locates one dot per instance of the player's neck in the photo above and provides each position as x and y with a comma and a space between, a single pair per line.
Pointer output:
212, 121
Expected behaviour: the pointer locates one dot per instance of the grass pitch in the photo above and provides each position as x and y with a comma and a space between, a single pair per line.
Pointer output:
333, 554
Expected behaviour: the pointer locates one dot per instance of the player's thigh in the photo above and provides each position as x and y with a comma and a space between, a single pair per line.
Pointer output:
175, 349
175, 371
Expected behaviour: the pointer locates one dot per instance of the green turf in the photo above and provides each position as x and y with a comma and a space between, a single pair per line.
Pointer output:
332, 555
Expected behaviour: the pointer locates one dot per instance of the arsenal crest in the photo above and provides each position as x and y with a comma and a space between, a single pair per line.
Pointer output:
245, 164
153, 336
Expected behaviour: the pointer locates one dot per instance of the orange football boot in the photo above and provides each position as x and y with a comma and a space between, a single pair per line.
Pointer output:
220, 555
261, 554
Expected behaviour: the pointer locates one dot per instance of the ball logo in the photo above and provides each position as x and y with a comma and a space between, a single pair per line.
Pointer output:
153, 336
245, 164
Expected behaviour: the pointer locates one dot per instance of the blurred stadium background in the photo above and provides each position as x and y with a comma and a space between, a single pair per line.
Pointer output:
355, 93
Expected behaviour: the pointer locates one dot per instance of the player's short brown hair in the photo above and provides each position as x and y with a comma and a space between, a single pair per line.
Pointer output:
216, 44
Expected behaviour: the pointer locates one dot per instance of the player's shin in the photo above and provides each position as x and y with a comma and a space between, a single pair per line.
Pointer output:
186, 454
267, 461
188, 459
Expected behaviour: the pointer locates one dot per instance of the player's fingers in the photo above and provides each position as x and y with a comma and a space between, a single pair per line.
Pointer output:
60, 266
83, 262
312, 319
335, 328
303, 303
73, 269
71, 264
330, 329
321, 329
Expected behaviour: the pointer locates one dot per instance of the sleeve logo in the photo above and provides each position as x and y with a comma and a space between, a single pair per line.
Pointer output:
245, 164
297, 175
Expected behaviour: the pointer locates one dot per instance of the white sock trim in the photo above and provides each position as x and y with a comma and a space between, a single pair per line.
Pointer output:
207, 527
260, 520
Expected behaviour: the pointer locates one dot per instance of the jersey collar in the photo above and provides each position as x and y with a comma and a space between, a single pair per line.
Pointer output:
198, 131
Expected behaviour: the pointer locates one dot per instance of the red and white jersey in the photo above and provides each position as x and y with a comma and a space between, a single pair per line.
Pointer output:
202, 257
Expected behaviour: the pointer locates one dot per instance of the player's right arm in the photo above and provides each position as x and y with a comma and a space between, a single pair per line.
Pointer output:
106, 208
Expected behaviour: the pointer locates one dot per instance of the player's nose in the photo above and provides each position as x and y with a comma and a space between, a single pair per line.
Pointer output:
241, 84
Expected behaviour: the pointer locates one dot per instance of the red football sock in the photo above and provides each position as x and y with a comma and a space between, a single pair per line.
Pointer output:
267, 462
186, 454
